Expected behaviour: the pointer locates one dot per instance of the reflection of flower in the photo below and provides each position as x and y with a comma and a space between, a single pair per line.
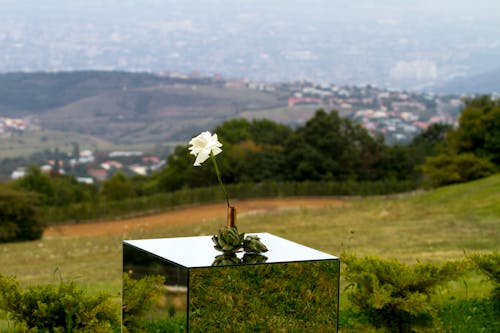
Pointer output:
231, 259
226, 259
253, 258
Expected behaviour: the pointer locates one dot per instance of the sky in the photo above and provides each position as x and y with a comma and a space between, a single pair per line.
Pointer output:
386, 42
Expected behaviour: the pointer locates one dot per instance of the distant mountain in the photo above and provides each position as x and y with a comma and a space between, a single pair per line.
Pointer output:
127, 107
484, 83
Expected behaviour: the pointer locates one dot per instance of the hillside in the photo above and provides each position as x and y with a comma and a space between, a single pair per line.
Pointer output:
483, 83
154, 114
126, 108
22, 93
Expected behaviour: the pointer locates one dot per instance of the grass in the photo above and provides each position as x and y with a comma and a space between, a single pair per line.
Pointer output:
30, 142
285, 115
438, 225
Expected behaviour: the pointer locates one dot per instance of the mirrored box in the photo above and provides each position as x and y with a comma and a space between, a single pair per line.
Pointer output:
184, 285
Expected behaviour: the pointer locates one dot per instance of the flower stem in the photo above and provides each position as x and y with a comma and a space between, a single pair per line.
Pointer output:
219, 178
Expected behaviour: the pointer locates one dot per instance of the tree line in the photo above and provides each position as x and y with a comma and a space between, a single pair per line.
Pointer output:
333, 148
326, 149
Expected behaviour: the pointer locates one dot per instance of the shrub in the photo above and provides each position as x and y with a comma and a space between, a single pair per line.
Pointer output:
61, 308
489, 265
447, 169
187, 196
19, 218
289, 297
139, 296
470, 315
395, 295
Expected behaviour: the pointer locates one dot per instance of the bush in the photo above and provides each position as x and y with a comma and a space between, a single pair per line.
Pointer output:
489, 265
394, 295
139, 297
289, 297
19, 218
61, 308
470, 315
447, 169
162, 201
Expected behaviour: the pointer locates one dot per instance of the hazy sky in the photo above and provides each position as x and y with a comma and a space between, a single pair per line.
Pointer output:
413, 41
144, 9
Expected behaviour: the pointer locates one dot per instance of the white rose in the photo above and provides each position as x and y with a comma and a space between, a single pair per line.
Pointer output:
203, 145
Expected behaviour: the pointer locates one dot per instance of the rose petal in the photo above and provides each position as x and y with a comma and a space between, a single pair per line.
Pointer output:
204, 144
201, 157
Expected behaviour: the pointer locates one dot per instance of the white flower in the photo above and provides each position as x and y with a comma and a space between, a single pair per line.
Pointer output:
203, 145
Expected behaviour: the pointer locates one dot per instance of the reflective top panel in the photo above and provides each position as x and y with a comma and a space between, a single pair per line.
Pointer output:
199, 251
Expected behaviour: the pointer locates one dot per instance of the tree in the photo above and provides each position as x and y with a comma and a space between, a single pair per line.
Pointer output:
233, 131
479, 129
19, 216
55, 190
37, 182
260, 131
252, 151
67, 190
118, 187
472, 150
180, 172
429, 141
329, 147
398, 163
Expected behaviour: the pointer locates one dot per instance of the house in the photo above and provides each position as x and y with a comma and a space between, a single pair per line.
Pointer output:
109, 165
98, 174
421, 125
85, 180
46, 168
139, 169
151, 159
18, 173
86, 156
124, 154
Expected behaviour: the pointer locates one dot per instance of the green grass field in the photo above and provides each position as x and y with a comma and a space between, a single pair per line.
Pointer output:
31, 142
438, 225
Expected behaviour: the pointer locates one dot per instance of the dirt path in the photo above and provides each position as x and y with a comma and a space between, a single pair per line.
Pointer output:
190, 215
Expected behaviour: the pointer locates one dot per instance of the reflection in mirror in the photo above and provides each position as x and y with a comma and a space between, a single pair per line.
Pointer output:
184, 284
154, 293
232, 259
283, 297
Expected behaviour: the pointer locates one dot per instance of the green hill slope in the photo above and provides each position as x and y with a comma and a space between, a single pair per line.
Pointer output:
435, 225
473, 200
